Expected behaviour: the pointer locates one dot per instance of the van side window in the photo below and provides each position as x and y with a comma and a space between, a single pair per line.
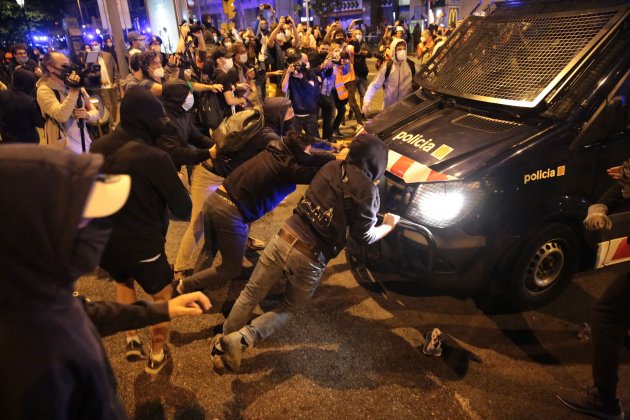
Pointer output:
612, 117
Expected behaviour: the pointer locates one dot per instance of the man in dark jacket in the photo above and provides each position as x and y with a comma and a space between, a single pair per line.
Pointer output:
302, 87
252, 190
52, 362
611, 316
178, 100
342, 195
19, 112
135, 250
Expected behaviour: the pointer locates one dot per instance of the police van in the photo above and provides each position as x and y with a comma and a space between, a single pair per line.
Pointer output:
495, 159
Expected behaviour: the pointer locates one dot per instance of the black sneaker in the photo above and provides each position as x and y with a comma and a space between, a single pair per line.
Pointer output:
589, 402
154, 367
134, 351
216, 355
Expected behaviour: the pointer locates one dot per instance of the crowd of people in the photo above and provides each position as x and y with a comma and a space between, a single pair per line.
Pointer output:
167, 156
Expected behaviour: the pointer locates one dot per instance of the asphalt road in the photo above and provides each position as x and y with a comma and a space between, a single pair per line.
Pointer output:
355, 353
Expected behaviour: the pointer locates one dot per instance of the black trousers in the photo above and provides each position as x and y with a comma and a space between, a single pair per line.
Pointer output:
611, 320
351, 87
308, 124
327, 106
340, 104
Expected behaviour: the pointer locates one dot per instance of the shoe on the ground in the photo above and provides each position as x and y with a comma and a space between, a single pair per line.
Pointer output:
433, 343
337, 134
216, 353
254, 244
154, 367
232, 347
589, 402
134, 351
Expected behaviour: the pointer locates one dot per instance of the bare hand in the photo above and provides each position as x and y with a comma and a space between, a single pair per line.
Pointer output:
615, 172
192, 304
185, 29
216, 88
275, 73
365, 109
391, 219
38, 72
339, 146
80, 113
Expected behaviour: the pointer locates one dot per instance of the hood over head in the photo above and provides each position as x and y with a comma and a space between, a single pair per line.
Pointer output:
46, 190
368, 153
24, 81
392, 48
141, 115
275, 109
174, 93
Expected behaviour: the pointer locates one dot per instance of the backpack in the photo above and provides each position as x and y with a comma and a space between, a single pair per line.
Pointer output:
235, 131
209, 112
388, 70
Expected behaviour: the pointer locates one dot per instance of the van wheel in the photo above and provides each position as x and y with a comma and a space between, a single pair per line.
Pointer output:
542, 267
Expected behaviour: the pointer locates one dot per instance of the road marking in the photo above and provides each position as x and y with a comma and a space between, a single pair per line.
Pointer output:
465, 405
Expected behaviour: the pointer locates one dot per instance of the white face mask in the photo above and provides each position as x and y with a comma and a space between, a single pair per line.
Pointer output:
242, 58
189, 102
96, 48
228, 64
228, 45
401, 55
158, 73
358, 38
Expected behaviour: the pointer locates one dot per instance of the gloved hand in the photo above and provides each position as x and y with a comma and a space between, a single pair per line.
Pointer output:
597, 219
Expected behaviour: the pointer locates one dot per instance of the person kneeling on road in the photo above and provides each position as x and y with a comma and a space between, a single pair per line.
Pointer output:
342, 194
252, 190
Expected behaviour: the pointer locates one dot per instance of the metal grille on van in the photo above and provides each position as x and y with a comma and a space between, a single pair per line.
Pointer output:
515, 59
485, 124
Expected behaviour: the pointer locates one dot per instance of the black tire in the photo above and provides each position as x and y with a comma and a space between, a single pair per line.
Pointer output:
541, 268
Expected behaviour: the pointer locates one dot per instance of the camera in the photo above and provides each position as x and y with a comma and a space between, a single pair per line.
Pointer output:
287, 19
89, 76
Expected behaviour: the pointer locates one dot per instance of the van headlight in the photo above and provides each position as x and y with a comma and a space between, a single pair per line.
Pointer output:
443, 204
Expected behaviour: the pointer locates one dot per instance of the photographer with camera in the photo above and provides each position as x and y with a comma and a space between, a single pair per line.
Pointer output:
358, 50
302, 87
64, 104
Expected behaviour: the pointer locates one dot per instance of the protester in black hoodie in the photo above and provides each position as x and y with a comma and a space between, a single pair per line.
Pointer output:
19, 112
342, 195
252, 190
52, 362
135, 250
178, 100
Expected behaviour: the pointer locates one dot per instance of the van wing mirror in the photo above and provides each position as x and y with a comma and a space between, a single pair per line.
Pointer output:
612, 117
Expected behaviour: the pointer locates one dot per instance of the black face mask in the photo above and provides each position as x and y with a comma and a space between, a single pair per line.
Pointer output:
328, 72
339, 41
89, 246
263, 28
323, 55
287, 126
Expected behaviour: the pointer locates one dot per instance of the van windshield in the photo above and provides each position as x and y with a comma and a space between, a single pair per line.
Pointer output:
518, 53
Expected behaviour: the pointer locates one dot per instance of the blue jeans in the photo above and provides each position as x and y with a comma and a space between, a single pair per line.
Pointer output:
279, 260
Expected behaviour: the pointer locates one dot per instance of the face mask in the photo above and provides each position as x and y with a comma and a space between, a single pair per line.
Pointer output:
141, 44
96, 48
339, 41
88, 247
287, 33
423, 39
215, 39
287, 126
156, 48
158, 73
263, 27
109, 44
242, 58
323, 55
187, 74
229, 63
358, 38
246, 41
228, 45
401, 55
307, 65
22, 60
189, 102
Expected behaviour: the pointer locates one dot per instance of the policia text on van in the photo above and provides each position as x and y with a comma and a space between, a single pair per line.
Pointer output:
505, 145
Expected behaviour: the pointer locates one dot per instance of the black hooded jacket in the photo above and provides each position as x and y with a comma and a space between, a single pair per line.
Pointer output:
180, 131
19, 112
52, 363
139, 228
320, 217
261, 183
274, 110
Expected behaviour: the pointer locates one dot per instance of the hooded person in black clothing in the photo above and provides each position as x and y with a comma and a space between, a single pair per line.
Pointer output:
52, 362
135, 250
178, 100
19, 112
252, 190
342, 195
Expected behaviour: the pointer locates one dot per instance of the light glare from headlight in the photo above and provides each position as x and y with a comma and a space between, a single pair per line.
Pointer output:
442, 207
